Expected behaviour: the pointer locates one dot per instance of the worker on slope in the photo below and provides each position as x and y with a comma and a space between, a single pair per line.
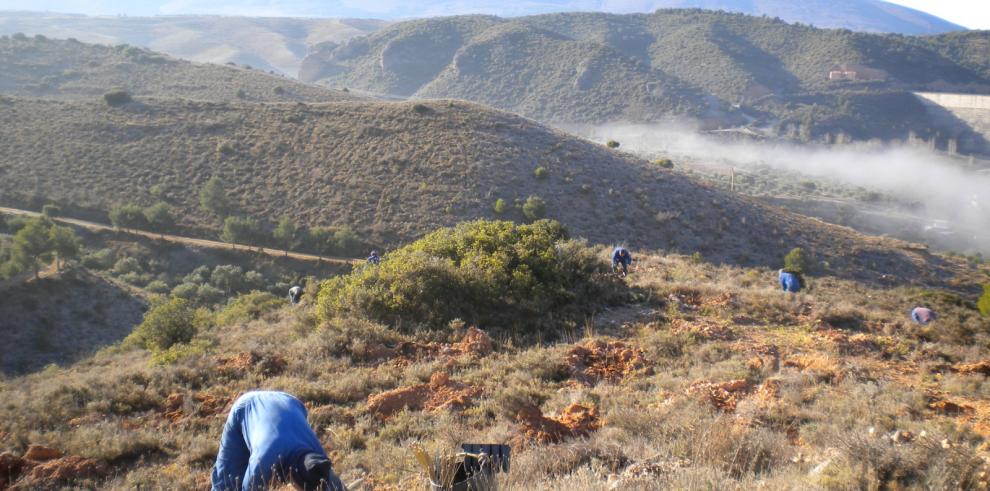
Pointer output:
923, 315
621, 256
374, 258
790, 281
295, 294
267, 440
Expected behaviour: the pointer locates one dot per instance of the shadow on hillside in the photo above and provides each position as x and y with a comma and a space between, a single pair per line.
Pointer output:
62, 319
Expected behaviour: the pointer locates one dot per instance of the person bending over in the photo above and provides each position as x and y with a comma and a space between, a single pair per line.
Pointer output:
267, 439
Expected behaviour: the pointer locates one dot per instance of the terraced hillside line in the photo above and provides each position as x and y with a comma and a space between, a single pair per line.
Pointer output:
213, 244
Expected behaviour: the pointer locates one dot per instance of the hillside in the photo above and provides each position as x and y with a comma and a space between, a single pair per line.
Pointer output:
42, 67
394, 171
640, 67
855, 15
715, 382
265, 43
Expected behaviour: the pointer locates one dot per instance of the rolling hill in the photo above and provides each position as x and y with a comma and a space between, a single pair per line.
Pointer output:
47, 68
395, 171
265, 43
597, 68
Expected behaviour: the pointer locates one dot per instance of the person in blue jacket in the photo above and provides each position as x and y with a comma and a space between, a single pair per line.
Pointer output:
267, 439
923, 315
790, 281
374, 258
621, 255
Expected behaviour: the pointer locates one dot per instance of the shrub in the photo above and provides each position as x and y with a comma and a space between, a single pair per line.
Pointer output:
347, 241
185, 291
128, 216
984, 303
127, 265
612, 144
796, 261
157, 286
208, 294
101, 260
534, 208
279, 90
243, 230
51, 211
248, 307
164, 325
32, 245
227, 277
540, 172
500, 206
213, 197
159, 217
665, 163
117, 97
285, 234
490, 273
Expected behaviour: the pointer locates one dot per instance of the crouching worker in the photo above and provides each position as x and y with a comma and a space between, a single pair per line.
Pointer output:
295, 294
621, 256
267, 440
922, 316
790, 281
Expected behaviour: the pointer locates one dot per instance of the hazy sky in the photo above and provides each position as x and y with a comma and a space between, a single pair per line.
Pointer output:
974, 14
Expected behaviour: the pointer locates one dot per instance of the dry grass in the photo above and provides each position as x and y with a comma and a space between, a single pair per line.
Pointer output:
829, 417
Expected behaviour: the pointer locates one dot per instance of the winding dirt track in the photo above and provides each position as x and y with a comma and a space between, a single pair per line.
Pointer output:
213, 244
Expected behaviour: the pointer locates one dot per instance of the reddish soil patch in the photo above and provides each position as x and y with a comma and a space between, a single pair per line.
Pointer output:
41, 453
440, 393
981, 367
597, 360
475, 343
210, 405
949, 408
575, 420
11, 467
53, 472
266, 364
172, 409
723, 395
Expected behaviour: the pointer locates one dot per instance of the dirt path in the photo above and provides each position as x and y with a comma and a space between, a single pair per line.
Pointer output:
213, 244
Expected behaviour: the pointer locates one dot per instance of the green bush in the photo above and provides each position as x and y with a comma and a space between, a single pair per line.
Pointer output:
500, 206
248, 307
127, 265
796, 261
208, 294
534, 208
100, 260
665, 163
984, 303
241, 230
347, 241
213, 197
117, 97
540, 172
164, 325
159, 217
489, 273
185, 291
612, 144
157, 286
128, 216
51, 211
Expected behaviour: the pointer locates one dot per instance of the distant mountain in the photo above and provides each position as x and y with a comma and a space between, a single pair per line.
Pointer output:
54, 69
597, 68
266, 43
856, 15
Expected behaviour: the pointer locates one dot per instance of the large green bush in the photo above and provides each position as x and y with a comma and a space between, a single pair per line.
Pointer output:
796, 261
490, 273
166, 324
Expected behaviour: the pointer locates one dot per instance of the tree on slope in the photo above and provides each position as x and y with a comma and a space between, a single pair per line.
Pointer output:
213, 197
32, 245
64, 243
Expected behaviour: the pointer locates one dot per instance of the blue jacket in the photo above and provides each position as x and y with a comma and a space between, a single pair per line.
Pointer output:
266, 434
790, 282
617, 258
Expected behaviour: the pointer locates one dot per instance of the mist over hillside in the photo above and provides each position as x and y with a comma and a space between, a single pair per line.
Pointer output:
265, 43
947, 199
722, 69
